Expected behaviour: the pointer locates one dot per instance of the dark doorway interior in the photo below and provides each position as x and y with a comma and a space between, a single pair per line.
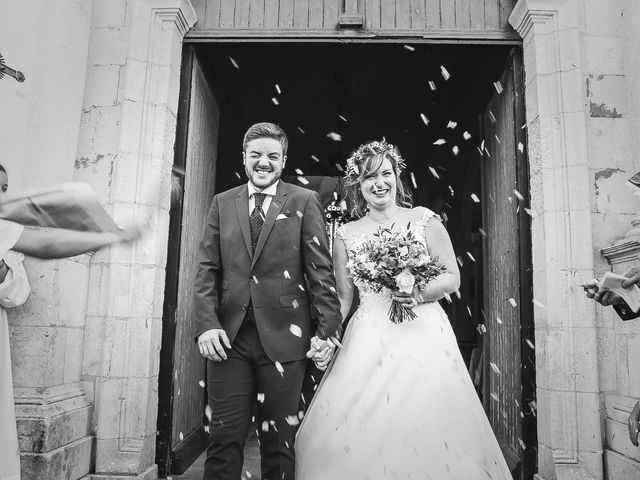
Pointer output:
427, 99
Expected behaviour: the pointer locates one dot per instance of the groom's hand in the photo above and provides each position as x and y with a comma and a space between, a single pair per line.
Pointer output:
321, 352
211, 344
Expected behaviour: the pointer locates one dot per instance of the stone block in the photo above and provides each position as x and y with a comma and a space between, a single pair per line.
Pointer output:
603, 17
590, 433
125, 456
607, 96
622, 364
618, 466
603, 54
149, 474
96, 171
73, 355
108, 46
37, 355
132, 85
71, 462
606, 359
612, 194
101, 88
100, 131
609, 145
633, 349
109, 14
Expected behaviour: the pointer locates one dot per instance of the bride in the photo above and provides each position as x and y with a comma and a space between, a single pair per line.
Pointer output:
397, 401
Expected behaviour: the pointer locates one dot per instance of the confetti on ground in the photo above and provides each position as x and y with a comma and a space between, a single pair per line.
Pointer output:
452, 124
279, 368
432, 85
278, 89
433, 172
482, 232
296, 330
475, 198
315, 239
201, 383
286, 275
520, 147
234, 63
336, 137
530, 343
275, 101
208, 412
342, 118
538, 303
424, 118
445, 74
301, 131
498, 86
413, 180
455, 150
498, 320
466, 135
512, 302
495, 368
471, 257
440, 141
518, 195
409, 47
303, 180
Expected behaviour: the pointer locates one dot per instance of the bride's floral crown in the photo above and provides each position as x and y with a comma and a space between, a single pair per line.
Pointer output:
367, 150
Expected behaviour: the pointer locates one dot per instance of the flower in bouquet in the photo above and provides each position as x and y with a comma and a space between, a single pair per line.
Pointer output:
397, 261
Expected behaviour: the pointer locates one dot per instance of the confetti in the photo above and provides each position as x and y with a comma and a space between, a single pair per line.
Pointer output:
201, 383
538, 303
475, 198
471, 257
520, 147
279, 368
295, 330
342, 118
255, 279
498, 86
275, 101
452, 124
315, 239
530, 343
482, 145
303, 180
260, 397
299, 213
445, 74
495, 397
459, 260
481, 329
409, 47
458, 294
492, 117
265, 426
522, 444
482, 232
455, 150
498, 320
336, 137
294, 304
339, 167
292, 420
497, 138
518, 195
495, 368
286, 275
234, 63
440, 141
451, 190
208, 412
424, 118
238, 175
512, 302
529, 212
181, 436
466, 135
301, 287
433, 172
206, 429
469, 311
298, 171
301, 131
432, 85
278, 89
413, 180
315, 159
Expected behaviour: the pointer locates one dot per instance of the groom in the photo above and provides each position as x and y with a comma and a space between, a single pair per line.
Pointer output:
264, 273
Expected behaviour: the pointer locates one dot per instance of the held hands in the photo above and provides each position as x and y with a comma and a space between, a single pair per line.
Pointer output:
321, 352
634, 424
212, 344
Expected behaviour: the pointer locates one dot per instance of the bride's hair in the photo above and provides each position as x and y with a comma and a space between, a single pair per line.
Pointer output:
367, 159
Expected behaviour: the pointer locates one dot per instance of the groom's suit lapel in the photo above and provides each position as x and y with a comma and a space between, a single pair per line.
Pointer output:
242, 211
277, 203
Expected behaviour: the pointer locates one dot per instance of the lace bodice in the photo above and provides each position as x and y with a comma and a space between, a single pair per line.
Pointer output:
353, 240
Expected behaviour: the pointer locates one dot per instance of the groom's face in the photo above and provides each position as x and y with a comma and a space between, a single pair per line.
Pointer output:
263, 161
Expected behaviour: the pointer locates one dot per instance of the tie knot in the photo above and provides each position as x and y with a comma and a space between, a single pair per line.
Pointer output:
258, 198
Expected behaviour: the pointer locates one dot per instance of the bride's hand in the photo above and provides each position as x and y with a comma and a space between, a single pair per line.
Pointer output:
406, 299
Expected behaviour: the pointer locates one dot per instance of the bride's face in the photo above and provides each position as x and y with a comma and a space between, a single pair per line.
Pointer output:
379, 188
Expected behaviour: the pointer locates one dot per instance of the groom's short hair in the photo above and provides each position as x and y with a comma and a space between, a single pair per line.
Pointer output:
266, 130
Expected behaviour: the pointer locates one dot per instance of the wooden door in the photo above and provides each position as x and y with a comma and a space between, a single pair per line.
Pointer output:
182, 394
509, 387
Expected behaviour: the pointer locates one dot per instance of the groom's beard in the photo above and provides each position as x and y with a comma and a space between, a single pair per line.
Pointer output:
263, 181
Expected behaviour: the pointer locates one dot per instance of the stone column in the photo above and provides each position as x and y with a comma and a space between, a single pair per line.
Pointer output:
569, 422
126, 151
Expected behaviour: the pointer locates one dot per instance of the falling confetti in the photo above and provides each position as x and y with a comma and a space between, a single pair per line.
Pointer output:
512, 302
459, 260
455, 150
315, 159
432, 85
495, 368
498, 86
530, 343
466, 135
342, 118
495, 397
433, 172
529, 212
279, 368
469, 311
445, 74
238, 175
315, 239
440, 141
299, 213
275, 101
471, 257
520, 147
298, 171
296, 330
336, 137
498, 320
292, 420
497, 138
413, 180
294, 304
255, 279
424, 119
208, 412
451, 190
265, 426
481, 329
201, 383
538, 303
301, 131
234, 63
522, 444
260, 397
492, 117
303, 180
286, 275
409, 47
475, 198
518, 195
452, 124
181, 436
301, 287
278, 89
482, 232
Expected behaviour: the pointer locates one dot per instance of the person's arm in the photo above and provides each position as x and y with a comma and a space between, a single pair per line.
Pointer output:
316, 257
344, 282
4, 269
440, 248
14, 286
61, 243
634, 424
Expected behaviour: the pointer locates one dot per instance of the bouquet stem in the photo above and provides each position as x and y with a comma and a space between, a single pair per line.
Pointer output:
398, 313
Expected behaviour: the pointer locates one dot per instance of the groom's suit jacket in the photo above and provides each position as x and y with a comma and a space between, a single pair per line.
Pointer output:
287, 280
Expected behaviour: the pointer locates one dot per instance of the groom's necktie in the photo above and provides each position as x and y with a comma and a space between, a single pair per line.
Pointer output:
256, 219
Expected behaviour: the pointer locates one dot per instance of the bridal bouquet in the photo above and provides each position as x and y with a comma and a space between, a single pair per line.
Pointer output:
396, 260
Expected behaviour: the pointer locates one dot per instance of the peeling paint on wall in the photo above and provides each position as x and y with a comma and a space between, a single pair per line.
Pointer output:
600, 110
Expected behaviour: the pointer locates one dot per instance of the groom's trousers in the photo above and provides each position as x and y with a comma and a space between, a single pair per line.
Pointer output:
233, 386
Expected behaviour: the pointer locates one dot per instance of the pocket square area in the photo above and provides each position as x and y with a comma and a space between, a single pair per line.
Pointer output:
281, 217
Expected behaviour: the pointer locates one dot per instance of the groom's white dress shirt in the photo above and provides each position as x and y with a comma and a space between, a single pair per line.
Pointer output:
270, 191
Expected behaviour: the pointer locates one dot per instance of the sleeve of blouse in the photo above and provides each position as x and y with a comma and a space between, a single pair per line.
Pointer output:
15, 288
9, 234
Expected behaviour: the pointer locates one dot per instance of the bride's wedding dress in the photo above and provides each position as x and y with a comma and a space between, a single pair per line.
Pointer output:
397, 401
